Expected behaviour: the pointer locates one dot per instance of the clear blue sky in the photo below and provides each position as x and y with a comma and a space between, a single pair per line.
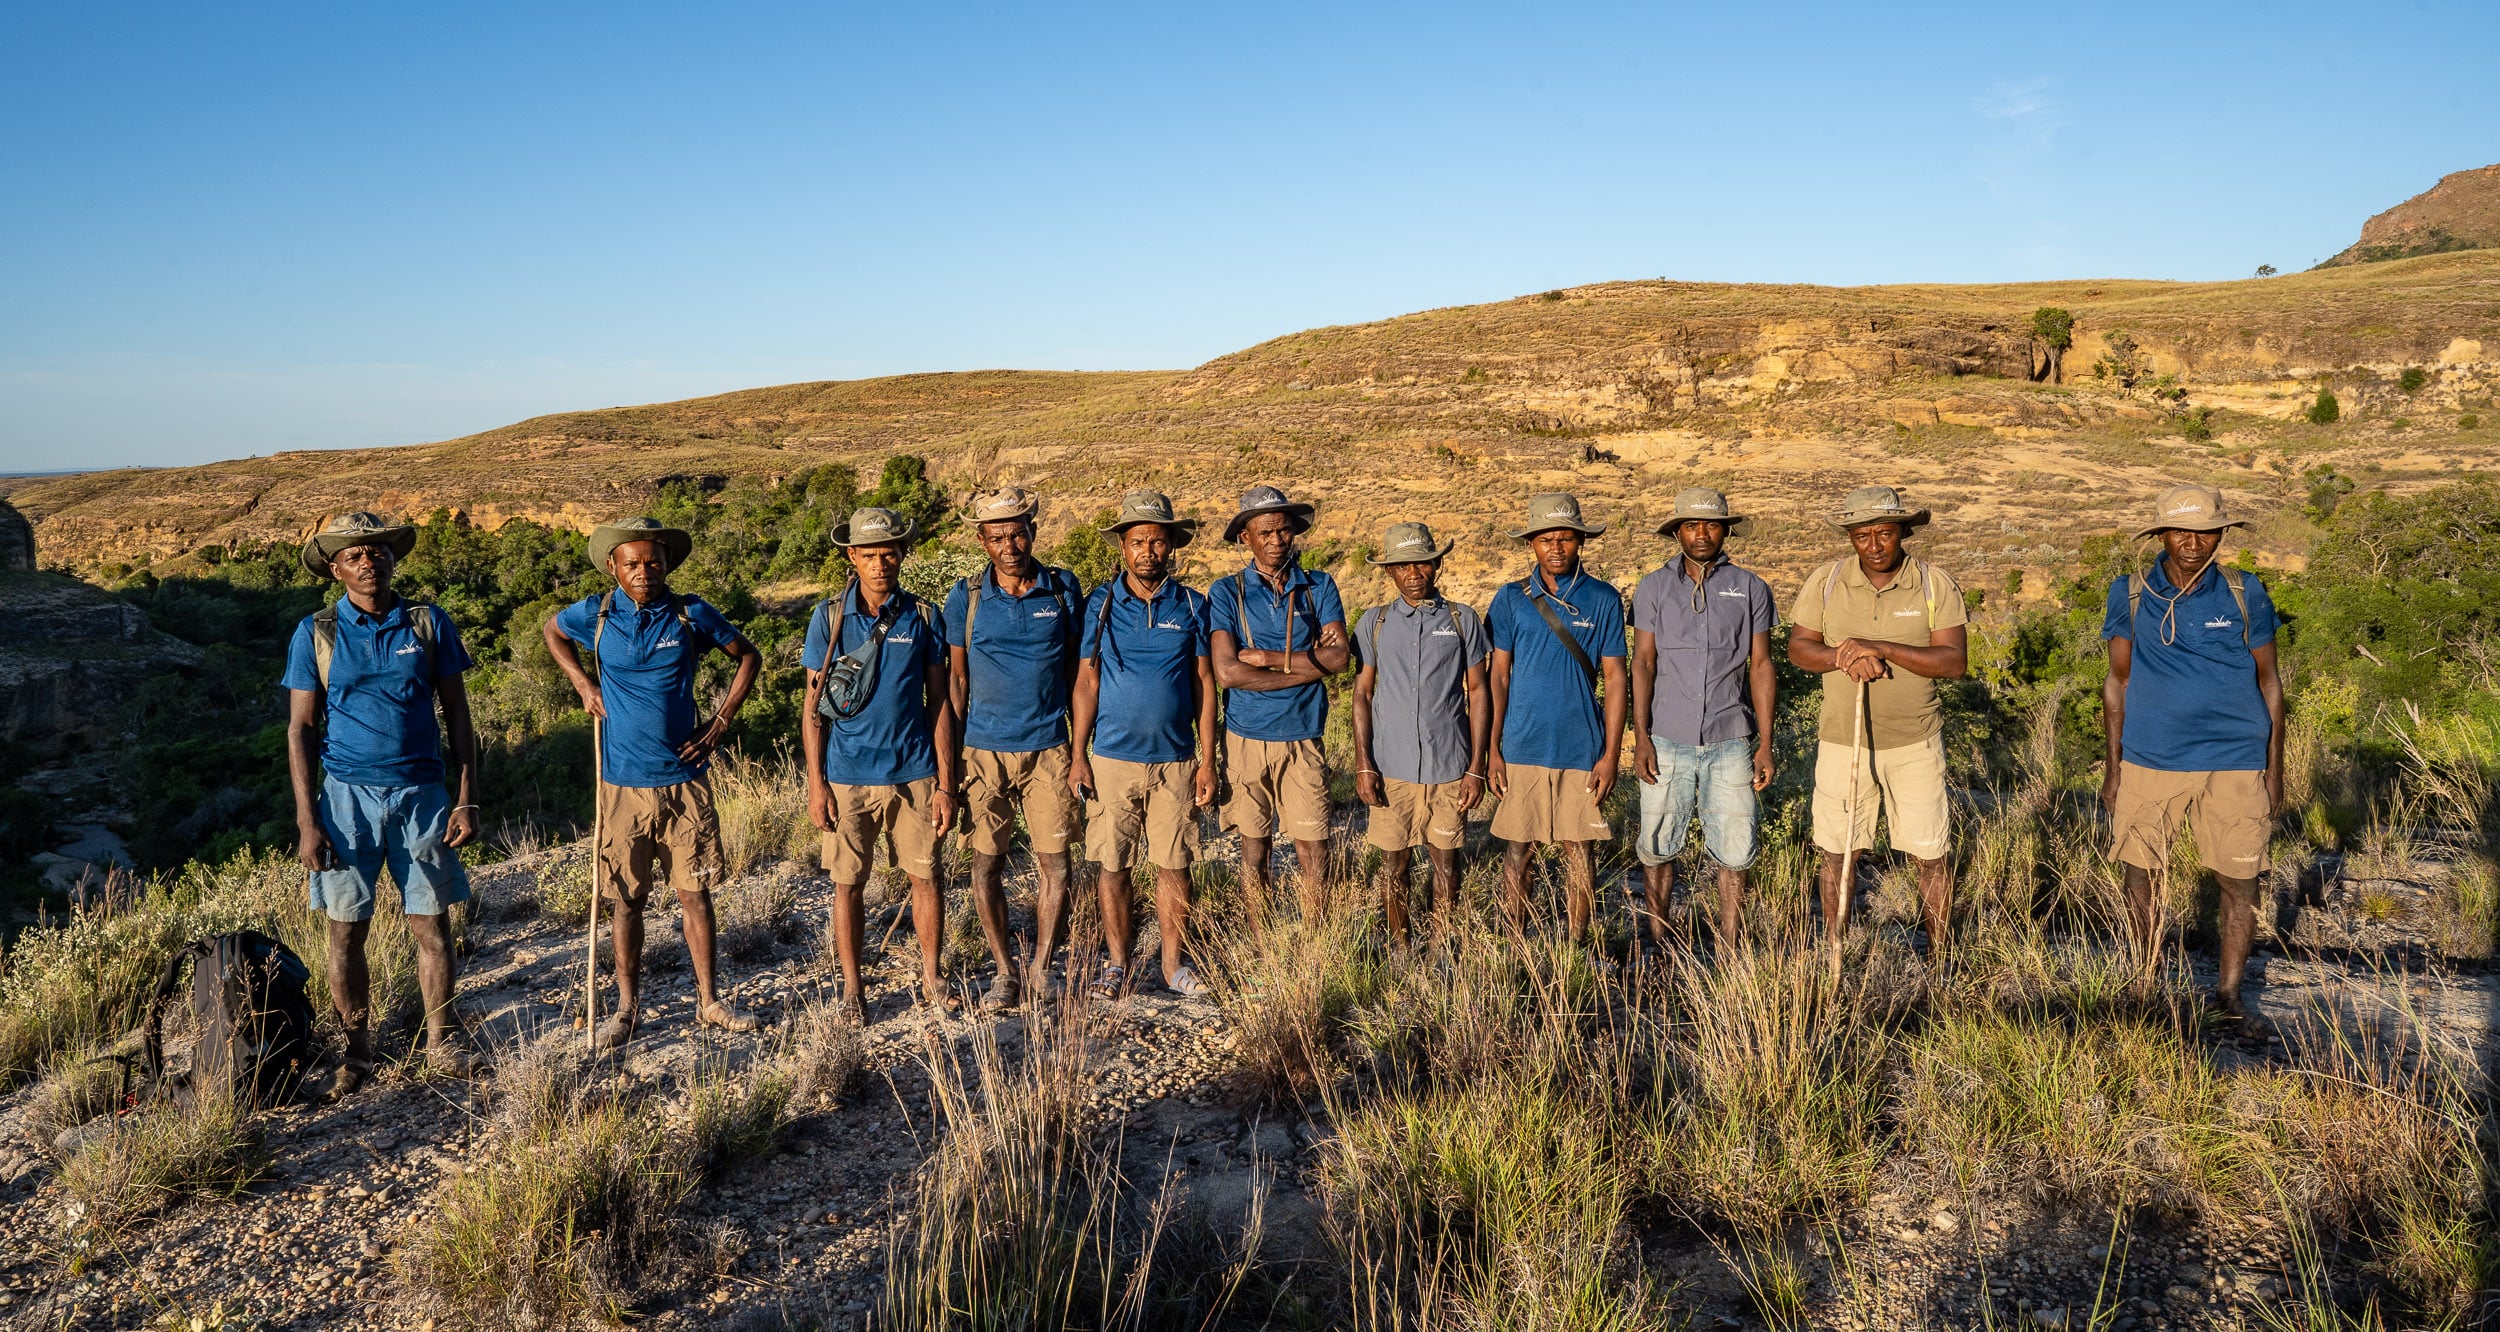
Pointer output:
235, 230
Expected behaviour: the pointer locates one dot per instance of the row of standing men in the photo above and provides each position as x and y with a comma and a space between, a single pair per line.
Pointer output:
1095, 719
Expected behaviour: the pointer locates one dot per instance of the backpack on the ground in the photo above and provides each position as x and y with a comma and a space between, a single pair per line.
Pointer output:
256, 1026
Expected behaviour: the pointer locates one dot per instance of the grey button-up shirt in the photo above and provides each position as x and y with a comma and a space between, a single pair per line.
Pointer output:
1419, 694
1705, 637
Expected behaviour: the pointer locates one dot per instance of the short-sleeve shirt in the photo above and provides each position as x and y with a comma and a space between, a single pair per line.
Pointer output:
647, 659
1419, 656
2192, 698
1021, 662
893, 740
1258, 616
380, 729
1145, 654
1920, 599
1552, 718
1704, 633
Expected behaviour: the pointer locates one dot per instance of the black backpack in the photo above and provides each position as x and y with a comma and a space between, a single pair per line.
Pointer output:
256, 1026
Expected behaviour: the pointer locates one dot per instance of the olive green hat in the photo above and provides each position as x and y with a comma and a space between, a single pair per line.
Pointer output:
1701, 504
1878, 504
1153, 506
873, 526
1268, 499
1553, 509
2190, 509
1003, 504
1410, 543
606, 537
356, 529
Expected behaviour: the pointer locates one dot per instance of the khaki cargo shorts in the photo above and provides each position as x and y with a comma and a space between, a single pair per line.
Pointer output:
2228, 811
1906, 782
1276, 780
1142, 802
652, 833
1549, 805
899, 812
995, 783
1417, 813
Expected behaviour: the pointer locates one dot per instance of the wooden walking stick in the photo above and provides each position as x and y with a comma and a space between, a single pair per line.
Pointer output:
590, 957
1849, 856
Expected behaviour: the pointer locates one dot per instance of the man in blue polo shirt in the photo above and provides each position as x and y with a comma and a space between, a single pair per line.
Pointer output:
1702, 700
1278, 632
656, 819
1557, 633
879, 731
2202, 742
367, 672
1011, 639
1144, 751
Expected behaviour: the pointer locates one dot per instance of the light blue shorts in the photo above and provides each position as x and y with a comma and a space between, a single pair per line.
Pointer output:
400, 828
1716, 777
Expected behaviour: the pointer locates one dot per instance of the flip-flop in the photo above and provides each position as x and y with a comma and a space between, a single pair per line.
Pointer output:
1108, 983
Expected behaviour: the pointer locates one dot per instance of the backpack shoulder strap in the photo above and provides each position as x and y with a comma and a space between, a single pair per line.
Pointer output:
1241, 610
152, 1027
972, 607
2135, 598
1927, 592
325, 645
2239, 597
1102, 622
599, 627
421, 623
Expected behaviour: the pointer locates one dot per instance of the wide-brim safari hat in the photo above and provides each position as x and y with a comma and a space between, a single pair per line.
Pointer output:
1701, 504
1153, 506
356, 529
1877, 504
1410, 543
1267, 499
1552, 510
606, 537
2190, 509
873, 526
1003, 505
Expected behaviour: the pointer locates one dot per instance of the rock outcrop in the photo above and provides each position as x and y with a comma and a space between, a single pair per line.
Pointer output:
2461, 212
70, 655
17, 540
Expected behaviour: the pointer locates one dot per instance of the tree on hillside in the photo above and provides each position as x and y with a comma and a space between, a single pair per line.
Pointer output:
2265, 270
904, 486
2053, 327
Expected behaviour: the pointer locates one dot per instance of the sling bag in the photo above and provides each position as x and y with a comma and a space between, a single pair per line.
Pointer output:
851, 678
1554, 622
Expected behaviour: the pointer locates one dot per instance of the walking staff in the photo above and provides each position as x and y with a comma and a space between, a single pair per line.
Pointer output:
653, 816
2200, 741
1881, 618
368, 672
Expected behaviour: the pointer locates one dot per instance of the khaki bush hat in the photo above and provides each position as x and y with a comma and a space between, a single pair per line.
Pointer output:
1003, 504
1409, 543
1553, 509
1153, 506
606, 537
2189, 509
1877, 504
1704, 505
872, 526
356, 529
1267, 499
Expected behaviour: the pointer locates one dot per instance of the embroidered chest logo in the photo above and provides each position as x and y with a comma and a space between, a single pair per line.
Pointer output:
408, 651
671, 642
1047, 613
1736, 592
1900, 614
2223, 622
1584, 624
1445, 633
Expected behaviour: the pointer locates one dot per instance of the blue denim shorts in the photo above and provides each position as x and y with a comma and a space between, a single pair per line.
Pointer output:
400, 828
1716, 777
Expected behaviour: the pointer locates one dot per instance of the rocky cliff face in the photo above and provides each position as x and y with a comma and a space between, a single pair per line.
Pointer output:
70, 655
2461, 212
17, 540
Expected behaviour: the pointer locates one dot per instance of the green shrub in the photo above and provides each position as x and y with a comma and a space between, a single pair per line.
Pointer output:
2413, 378
2324, 409
1089, 551
2469, 421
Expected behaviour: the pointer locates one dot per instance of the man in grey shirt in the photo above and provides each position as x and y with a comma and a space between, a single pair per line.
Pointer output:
1701, 705
1423, 719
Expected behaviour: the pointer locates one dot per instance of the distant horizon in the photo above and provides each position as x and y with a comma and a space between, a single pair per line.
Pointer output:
245, 233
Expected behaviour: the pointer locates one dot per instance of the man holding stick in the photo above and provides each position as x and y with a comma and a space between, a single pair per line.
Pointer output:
1881, 627
2202, 742
655, 814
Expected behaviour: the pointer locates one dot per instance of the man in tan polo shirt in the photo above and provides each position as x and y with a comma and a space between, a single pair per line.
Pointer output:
1881, 627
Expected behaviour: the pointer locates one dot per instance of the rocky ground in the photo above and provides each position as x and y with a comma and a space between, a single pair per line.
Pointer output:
803, 1233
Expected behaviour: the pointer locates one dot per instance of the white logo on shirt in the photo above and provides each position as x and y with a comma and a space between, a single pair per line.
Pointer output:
1046, 615
1445, 633
1736, 592
1167, 624
897, 641
408, 651
2221, 623
1584, 624
669, 642
1898, 614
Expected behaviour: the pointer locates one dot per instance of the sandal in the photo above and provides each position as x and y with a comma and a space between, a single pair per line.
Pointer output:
350, 1075
719, 1013
1108, 983
1005, 993
1184, 982
613, 1033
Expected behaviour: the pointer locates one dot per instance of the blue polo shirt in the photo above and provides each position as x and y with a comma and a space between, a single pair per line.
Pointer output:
892, 740
1275, 620
1145, 653
2192, 702
647, 659
380, 729
1553, 719
1021, 661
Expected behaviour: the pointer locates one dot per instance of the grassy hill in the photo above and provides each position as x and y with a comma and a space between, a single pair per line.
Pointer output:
1783, 395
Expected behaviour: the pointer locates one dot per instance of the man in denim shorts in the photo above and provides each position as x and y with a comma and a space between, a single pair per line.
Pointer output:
366, 674
1701, 705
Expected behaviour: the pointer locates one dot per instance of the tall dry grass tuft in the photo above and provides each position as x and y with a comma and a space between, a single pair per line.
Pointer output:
825, 1050
568, 1211
147, 1160
1289, 985
735, 1114
762, 804
1023, 1217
